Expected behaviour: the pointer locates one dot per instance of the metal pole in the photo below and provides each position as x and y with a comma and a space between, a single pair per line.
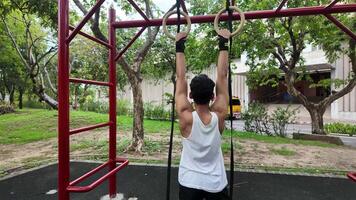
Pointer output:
262, 14
112, 101
341, 26
63, 100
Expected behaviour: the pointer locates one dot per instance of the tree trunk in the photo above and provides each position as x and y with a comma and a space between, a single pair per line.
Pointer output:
317, 120
75, 103
12, 96
21, 98
138, 112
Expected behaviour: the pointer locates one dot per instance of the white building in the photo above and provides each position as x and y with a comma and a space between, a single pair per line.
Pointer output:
316, 64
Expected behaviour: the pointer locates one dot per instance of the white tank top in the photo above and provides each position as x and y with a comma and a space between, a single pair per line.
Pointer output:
202, 163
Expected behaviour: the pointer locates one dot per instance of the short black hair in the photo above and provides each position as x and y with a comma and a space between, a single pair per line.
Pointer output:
202, 89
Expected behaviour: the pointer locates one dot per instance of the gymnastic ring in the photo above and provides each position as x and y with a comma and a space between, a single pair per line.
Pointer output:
242, 20
164, 23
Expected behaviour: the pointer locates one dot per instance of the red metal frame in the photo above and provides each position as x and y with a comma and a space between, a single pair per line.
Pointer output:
91, 37
352, 176
138, 34
262, 14
64, 39
85, 20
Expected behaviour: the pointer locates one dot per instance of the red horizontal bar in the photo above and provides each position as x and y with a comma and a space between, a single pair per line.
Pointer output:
92, 38
73, 188
86, 175
352, 176
341, 26
77, 80
304, 11
85, 20
78, 130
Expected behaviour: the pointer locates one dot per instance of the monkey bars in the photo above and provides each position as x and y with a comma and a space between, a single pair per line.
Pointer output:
65, 37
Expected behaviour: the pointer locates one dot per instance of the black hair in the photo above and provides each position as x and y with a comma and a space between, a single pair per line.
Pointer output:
202, 89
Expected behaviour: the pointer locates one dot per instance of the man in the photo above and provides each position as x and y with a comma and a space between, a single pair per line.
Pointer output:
201, 170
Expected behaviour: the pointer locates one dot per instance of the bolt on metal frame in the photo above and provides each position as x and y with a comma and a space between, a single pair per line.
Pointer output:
64, 39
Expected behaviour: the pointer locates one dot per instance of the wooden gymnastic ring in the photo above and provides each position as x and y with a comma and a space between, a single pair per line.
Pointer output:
242, 20
164, 23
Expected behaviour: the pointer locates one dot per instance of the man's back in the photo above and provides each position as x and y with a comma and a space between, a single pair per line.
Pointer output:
202, 163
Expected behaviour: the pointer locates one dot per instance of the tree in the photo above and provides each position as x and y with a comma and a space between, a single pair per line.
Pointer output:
30, 44
131, 64
279, 49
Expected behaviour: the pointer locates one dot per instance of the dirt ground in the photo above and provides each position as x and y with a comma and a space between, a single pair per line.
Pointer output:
248, 153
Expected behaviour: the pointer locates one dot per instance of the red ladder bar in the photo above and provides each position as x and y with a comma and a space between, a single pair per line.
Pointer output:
97, 40
114, 164
88, 128
352, 176
85, 20
73, 188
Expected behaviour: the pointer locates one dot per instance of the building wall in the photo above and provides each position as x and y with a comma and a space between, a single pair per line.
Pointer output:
153, 91
345, 107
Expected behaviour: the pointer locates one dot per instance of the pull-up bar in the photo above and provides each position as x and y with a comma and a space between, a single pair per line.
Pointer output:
263, 14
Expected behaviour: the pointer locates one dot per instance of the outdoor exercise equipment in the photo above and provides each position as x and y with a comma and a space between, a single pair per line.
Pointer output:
229, 8
66, 33
242, 19
169, 161
352, 176
165, 18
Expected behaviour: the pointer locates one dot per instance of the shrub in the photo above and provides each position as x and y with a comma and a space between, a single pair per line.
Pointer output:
256, 119
124, 107
95, 106
6, 108
280, 118
156, 112
342, 128
35, 104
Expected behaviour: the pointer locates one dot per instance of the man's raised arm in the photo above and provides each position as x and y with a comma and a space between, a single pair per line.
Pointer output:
222, 95
184, 109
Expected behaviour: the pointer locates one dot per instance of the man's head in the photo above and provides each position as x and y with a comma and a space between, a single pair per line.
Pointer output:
202, 89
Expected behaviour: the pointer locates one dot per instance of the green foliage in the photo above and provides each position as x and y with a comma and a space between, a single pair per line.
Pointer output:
124, 107
95, 106
327, 83
157, 112
342, 128
259, 121
261, 77
35, 104
6, 108
256, 119
280, 118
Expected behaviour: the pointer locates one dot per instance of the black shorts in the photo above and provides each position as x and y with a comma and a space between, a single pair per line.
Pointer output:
186, 193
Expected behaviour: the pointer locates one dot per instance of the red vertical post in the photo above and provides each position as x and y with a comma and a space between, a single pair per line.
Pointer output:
112, 101
63, 100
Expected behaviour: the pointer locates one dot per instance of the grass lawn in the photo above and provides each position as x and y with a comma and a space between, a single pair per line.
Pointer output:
29, 125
